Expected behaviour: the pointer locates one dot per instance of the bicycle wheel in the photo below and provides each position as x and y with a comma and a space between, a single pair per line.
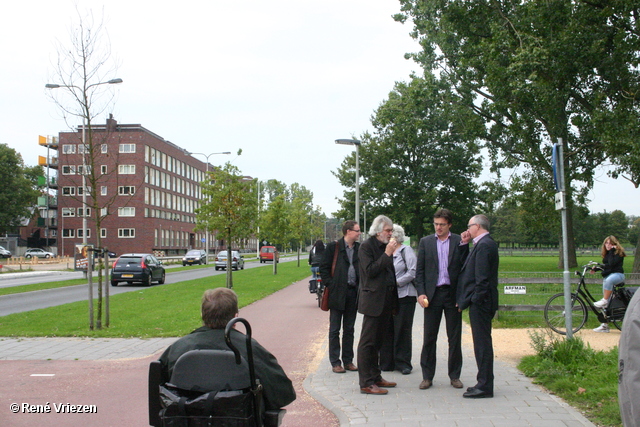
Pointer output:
319, 295
554, 313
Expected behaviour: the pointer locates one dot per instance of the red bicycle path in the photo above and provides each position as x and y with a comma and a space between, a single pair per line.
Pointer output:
288, 323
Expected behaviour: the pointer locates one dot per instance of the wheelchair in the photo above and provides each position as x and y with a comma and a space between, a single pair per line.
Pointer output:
210, 388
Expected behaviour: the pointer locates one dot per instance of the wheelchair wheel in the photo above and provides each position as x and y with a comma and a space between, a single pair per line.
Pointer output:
554, 313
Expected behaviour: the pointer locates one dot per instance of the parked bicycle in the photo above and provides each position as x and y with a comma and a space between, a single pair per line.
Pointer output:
554, 310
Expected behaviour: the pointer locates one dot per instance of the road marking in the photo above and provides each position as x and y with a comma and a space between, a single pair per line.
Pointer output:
42, 375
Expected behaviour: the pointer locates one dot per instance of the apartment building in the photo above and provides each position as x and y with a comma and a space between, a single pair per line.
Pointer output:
148, 190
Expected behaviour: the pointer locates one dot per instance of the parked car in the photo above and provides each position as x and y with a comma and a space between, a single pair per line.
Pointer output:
37, 252
267, 253
144, 268
194, 256
4, 253
237, 260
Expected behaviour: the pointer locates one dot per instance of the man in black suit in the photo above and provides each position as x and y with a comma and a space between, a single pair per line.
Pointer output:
440, 258
377, 301
478, 291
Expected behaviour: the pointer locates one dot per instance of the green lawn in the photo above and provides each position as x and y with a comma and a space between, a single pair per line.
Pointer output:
159, 311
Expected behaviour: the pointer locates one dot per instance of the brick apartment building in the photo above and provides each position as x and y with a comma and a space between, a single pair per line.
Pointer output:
148, 191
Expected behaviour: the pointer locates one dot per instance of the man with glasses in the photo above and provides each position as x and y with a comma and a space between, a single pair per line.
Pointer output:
440, 258
378, 300
342, 283
478, 291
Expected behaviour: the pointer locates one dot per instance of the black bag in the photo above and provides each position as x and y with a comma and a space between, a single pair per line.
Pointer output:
313, 286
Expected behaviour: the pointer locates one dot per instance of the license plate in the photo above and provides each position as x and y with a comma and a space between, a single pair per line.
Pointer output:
127, 276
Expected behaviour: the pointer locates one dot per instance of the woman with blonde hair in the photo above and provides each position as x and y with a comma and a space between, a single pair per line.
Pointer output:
613, 273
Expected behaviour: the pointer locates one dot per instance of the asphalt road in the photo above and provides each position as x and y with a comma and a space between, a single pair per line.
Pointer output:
27, 301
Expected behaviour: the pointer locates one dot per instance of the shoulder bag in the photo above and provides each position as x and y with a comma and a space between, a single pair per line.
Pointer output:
324, 305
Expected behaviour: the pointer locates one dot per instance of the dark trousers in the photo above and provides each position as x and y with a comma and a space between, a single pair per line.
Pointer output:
443, 302
397, 343
346, 319
480, 316
371, 336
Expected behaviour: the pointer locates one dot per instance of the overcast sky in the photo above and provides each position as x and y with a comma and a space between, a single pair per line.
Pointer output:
280, 79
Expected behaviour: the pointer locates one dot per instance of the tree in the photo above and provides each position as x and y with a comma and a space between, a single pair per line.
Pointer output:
422, 156
533, 72
300, 215
19, 188
80, 71
274, 223
230, 204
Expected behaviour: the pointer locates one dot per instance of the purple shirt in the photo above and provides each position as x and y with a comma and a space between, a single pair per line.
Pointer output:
443, 261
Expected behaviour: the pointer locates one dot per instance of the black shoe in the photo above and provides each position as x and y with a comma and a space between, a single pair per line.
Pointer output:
476, 393
406, 371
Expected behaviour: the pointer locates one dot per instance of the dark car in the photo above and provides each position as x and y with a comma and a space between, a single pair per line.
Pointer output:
144, 268
194, 256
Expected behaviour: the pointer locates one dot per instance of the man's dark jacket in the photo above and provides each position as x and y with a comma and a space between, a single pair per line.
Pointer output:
278, 389
338, 284
478, 281
377, 275
427, 270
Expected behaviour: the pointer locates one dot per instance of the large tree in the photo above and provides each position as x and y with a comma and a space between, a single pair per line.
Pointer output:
230, 205
532, 71
19, 189
422, 156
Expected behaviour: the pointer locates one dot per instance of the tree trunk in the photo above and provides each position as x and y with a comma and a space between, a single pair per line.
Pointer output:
229, 260
636, 261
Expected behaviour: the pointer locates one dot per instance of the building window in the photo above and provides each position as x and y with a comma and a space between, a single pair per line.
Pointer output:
125, 190
103, 169
126, 169
68, 233
127, 148
68, 170
126, 233
104, 212
103, 190
83, 168
88, 212
68, 191
79, 233
68, 149
103, 232
103, 148
82, 149
68, 211
127, 211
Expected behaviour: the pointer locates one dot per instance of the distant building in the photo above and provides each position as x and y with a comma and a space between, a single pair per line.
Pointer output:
148, 191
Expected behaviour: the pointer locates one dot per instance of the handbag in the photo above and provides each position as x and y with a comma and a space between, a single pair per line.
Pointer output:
324, 305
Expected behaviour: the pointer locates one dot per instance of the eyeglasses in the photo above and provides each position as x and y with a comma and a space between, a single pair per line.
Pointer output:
471, 225
357, 231
438, 224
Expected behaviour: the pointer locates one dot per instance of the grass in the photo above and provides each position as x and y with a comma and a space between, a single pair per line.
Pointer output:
159, 311
585, 378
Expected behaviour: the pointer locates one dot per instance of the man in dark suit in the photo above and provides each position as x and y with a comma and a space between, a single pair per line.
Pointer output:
440, 258
478, 291
342, 282
377, 301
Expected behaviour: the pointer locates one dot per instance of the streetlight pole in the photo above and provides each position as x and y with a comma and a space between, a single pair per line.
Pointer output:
206, 227
357, 144
85, 119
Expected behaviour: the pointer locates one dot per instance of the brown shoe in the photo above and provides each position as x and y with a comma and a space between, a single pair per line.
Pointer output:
456, 383
338, 369
351, 367
385, 383
373, 389
425, 384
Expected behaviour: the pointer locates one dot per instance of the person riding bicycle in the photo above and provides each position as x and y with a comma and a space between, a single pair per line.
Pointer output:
315, 256
612, 259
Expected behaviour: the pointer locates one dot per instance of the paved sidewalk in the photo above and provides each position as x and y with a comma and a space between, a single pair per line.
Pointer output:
517, 401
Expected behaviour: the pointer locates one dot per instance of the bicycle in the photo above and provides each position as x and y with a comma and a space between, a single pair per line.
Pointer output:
320, 290
554, 310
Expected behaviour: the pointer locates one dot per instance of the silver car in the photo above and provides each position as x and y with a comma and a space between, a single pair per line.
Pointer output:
37, 252
237, 261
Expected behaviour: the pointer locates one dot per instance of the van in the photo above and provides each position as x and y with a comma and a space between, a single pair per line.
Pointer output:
267, 254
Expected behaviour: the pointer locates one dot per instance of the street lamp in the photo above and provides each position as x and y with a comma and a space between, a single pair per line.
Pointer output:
85, 118
357, 144
206, 228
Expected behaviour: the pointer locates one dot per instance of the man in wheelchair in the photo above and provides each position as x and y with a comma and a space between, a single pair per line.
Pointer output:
219, 306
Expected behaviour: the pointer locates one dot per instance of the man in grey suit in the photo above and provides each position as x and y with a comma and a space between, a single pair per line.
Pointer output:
478, 291
440, 258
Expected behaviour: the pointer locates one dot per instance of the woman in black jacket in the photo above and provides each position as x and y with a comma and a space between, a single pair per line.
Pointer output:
613, 273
